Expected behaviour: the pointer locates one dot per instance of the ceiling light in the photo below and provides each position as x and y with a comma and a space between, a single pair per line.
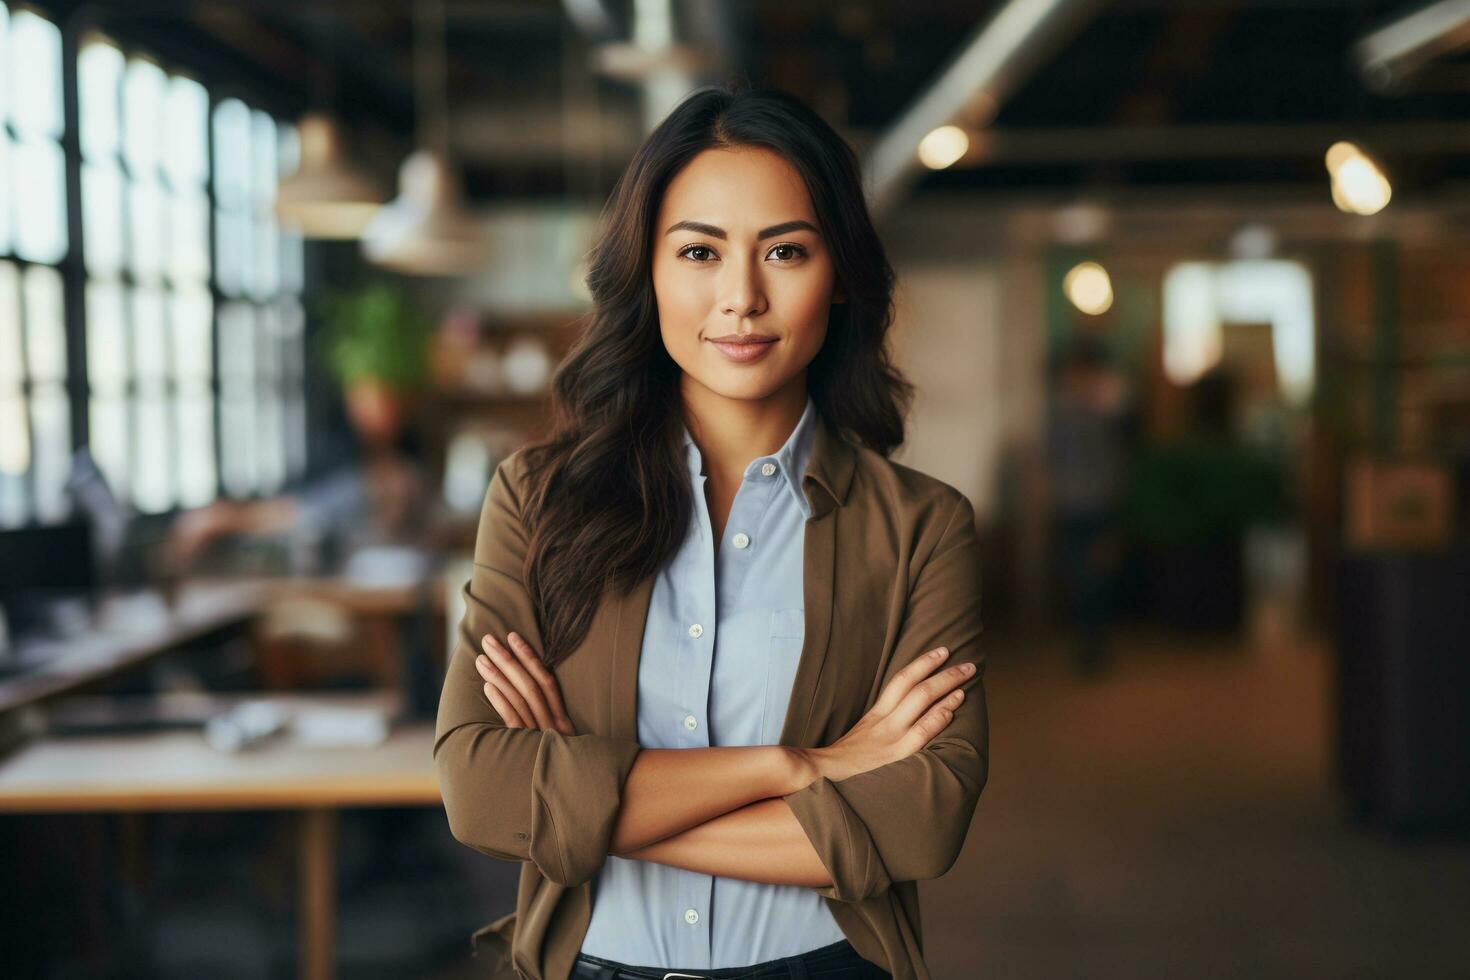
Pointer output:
327, 196
943, 147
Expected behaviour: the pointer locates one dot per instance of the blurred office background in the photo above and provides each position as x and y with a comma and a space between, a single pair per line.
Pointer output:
1185, 289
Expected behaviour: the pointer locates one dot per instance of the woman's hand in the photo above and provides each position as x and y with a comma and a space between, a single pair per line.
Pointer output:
910, 712
520, 688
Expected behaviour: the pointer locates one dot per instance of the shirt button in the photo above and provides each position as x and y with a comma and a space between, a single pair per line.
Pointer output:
740, 540
691, 916
696, 631
768, 469
691, 722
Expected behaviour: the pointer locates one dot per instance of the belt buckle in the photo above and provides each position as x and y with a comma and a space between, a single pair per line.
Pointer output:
678, 976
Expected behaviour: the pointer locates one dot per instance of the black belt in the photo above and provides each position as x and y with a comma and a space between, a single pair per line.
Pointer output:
827, 958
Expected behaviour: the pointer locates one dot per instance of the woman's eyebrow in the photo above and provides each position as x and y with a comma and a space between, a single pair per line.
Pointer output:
714, 232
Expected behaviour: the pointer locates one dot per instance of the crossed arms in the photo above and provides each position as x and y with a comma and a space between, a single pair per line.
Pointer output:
891, 800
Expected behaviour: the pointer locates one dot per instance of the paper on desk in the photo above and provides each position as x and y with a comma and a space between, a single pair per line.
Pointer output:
340, 726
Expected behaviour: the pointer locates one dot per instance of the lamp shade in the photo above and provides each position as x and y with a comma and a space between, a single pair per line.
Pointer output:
327, 197
425, 231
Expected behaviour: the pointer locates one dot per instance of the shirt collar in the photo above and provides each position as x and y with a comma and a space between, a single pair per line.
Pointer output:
790, 460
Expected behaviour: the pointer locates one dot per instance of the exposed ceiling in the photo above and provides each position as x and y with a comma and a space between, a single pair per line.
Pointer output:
1149, 93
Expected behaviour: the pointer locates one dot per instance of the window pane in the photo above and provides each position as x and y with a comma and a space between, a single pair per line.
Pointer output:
293, 326
10, 343
146, 204
4, 79
187, 162
189, 236
265, 277
265, 155
143, 116
34, 59
269, 349
15, 434
195, 414
6, 245
232, 154
150, 342
293, 262
102, 217
52, 417
191, 334
45, 324
237, 348
38, 182
108, 421
107, 338
270, 441
99, 81
237, 444
231, 250
153, 478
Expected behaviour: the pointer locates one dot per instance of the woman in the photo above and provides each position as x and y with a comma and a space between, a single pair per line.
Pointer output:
692, 690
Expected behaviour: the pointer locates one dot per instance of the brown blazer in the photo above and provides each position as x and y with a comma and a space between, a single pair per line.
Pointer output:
891, 571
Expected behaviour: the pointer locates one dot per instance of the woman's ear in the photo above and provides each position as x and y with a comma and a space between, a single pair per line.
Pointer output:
838, 296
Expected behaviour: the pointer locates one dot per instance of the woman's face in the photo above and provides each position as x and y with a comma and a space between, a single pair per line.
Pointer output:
743, 278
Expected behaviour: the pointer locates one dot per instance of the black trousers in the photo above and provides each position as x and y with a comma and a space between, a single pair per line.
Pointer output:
838, 961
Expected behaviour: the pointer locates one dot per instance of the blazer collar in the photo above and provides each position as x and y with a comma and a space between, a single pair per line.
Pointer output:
830, 469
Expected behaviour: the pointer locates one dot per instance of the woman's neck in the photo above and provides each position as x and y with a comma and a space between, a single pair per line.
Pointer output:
730, 432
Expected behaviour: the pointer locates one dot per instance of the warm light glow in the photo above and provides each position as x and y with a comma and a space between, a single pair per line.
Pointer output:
1088, 287
943, 147
1358, 185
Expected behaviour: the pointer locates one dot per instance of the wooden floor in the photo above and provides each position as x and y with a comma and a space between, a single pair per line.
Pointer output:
1178, 817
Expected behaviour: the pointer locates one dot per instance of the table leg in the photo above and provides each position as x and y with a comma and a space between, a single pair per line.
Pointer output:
317, 899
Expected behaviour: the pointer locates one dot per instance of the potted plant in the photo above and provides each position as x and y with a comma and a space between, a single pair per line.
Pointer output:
375, 341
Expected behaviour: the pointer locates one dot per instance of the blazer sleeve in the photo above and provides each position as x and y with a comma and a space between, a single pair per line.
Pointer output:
519, 794
907, 820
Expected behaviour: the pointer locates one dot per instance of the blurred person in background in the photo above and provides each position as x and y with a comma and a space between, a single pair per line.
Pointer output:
370, 492
1087, 448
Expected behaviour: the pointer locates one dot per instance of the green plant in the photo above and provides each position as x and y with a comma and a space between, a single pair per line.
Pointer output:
374, 331
1191, 492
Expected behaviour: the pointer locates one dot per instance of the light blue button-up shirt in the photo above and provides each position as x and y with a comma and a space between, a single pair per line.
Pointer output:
720, 651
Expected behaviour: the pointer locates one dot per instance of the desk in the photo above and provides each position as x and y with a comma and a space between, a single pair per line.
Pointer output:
127, 629
179, 771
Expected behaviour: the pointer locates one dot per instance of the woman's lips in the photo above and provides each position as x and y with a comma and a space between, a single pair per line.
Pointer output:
744, 353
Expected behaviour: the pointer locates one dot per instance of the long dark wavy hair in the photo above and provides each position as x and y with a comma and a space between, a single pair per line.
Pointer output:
608, 498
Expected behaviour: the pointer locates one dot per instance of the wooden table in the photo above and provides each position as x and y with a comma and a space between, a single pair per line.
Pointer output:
175, 770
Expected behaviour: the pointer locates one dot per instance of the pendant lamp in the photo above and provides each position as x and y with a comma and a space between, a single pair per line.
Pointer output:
327, 196
425, 230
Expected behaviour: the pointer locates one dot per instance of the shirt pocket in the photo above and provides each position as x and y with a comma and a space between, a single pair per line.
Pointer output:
783, 655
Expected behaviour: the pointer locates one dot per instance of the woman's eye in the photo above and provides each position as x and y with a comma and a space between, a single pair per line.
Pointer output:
701, 253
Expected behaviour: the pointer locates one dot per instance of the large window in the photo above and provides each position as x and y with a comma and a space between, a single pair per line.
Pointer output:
193, 378
35, 415
261, 323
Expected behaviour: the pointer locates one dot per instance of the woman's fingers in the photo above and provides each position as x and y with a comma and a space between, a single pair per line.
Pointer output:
927, 692
494, 675
502, 707
903, 681
526, 686
550, 689
934, 721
